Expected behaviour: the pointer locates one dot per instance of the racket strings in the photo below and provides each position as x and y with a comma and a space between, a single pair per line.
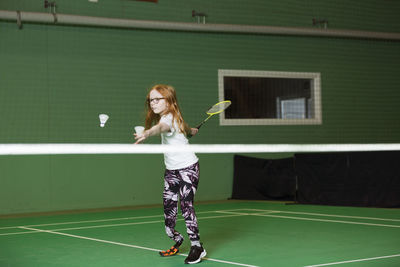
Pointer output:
219, 107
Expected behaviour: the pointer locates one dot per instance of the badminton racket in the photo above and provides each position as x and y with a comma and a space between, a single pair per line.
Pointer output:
215, 109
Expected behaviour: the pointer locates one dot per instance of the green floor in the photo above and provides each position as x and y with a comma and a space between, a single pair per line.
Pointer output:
234, 233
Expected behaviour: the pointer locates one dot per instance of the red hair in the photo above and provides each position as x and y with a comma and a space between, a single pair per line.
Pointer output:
169, 94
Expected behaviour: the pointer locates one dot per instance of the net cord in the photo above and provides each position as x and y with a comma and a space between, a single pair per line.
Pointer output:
59, 149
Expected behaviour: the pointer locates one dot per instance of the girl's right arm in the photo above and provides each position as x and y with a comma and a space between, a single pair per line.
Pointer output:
155, 130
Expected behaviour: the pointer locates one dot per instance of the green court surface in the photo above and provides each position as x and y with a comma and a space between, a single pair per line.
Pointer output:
234, 233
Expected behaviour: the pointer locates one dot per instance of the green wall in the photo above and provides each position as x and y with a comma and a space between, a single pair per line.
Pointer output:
55, 80
70, 182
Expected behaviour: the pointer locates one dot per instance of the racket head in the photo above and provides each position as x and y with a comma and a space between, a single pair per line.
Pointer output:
219, 107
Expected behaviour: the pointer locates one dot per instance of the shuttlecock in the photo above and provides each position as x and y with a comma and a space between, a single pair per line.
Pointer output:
139, 129
103, 119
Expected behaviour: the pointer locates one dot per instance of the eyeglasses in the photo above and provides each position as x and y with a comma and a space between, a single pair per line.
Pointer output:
155, 100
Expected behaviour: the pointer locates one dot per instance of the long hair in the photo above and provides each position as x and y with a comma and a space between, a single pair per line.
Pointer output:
169, 94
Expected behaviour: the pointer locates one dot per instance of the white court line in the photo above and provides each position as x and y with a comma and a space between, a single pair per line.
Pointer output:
324, 264
245, 213
114, 225
154, 216
138, 223
325, 220
126, 245
90, 221
19, 233
233, 214
351, 261
232, 211
95, 221
302, 218
332, 215
309, 219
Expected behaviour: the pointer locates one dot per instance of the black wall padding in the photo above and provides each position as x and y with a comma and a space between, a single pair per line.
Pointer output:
369, 179
323, 178
263, 179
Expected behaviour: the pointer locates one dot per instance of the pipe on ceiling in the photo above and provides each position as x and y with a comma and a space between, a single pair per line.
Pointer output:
65, 19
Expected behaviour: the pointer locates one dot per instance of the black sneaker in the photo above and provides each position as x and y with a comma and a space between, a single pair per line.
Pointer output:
172, 251
195, 255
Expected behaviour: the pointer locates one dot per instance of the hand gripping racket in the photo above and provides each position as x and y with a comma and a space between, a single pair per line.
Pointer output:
216, 109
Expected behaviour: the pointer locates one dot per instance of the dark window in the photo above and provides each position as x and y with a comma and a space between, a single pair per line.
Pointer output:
267, 97
255, 97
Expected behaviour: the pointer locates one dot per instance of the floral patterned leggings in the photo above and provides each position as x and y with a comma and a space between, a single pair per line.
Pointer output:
182, 182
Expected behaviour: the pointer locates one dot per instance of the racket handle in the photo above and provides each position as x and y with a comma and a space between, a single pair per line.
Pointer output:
198, 126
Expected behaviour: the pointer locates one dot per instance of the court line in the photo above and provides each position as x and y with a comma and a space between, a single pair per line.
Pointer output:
94, 221
138, 223
310, 219
325, 220
351, 261
202, 212
242, 213
332, 215
232, 211
320, 214
126, 245
89, 221
113, 225
19, 233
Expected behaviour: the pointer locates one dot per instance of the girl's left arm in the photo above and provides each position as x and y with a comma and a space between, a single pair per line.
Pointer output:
155, 130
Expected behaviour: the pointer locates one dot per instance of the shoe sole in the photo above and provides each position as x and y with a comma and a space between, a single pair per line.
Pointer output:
163, 255
202, 255
166, 255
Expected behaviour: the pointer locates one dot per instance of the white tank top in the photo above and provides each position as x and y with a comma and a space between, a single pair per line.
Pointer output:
176, 160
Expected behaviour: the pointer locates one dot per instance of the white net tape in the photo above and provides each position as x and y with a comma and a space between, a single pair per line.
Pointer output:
54, 149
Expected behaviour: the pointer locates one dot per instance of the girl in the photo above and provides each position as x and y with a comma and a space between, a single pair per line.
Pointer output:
163, 117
